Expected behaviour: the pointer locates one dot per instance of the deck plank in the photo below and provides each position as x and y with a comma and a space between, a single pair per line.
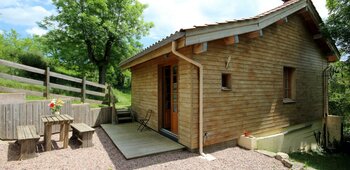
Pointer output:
134, 144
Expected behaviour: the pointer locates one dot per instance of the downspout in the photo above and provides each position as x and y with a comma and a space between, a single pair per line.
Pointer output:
200, 66
325, 104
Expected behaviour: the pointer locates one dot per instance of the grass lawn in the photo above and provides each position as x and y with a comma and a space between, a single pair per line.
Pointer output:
29, 98
18, 85
322, 160
124, 98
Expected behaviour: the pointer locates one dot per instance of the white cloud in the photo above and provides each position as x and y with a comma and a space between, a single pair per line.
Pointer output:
36, 31
2, 32
169, 16
23, 15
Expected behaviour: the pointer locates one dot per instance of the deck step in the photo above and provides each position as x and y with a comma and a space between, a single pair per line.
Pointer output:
124, 118
123, 113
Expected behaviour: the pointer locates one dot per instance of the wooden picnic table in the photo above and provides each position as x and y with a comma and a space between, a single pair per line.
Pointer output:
64, 121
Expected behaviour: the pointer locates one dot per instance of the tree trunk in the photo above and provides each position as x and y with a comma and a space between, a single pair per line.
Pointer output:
102, 70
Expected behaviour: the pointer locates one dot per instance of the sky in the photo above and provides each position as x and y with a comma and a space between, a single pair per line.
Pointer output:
168, 16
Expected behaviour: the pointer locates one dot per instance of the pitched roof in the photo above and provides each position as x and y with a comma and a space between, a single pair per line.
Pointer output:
284, 5
211, 31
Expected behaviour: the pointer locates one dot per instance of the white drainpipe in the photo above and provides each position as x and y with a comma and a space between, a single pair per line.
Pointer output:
325, 103
200, 66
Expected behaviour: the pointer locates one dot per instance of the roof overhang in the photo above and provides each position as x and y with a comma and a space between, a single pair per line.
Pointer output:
199, 35
159, 48
210, 32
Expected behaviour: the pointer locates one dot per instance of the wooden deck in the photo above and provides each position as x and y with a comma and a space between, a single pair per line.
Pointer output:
134, 144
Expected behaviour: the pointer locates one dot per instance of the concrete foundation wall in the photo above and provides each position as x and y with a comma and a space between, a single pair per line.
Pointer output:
296, 138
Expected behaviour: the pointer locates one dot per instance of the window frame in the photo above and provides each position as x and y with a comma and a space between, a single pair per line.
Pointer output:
226, 79
289, 85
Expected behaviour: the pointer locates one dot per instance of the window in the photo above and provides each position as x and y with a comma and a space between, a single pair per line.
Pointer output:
225, 81
288, 84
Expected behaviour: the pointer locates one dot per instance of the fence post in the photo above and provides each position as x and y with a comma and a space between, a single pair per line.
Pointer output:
109, 95
47, 82
114, 115
83, 90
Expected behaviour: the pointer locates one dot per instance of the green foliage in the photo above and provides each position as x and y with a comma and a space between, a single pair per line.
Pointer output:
29, 98
338, 23
33, 60
123, 98
12, 46
95, 34
118, 78
322, 160
339, 92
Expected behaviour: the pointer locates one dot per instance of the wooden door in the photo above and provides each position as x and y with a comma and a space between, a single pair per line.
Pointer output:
166, 97
170, 98
174, 99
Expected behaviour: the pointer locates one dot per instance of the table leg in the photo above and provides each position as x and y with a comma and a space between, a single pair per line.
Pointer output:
66, 129
47, 137
62, 132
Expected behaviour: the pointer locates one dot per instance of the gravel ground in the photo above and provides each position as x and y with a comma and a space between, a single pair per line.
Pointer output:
104, 155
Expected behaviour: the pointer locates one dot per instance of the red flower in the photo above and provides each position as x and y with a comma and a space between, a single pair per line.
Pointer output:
246, 133
51, 105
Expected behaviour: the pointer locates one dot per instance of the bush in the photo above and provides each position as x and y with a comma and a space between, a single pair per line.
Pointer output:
34, 60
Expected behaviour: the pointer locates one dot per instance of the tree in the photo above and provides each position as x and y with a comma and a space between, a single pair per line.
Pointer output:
95, 33
338, 23
339, 92
12, 46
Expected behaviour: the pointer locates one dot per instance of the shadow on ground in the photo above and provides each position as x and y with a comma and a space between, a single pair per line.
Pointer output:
13, 151
14, 148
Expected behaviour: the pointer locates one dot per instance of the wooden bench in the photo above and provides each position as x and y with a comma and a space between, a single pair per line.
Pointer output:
27, 139
83, 133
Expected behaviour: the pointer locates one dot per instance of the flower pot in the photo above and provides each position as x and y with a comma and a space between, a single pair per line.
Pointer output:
56, 113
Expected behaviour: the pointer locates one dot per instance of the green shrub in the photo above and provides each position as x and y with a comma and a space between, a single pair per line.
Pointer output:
34, 60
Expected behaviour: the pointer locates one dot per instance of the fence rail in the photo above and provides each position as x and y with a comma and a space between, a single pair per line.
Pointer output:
48, 84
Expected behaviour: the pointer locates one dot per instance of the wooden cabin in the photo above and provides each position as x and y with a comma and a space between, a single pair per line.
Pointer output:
261, 74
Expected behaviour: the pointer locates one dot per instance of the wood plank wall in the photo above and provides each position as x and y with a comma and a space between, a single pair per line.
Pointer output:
145, 94
255, 102
144, 90
30, 113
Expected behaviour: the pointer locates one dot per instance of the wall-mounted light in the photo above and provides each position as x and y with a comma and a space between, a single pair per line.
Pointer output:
227, 63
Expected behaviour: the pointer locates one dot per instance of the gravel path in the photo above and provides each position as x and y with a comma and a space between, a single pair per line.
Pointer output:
104, 155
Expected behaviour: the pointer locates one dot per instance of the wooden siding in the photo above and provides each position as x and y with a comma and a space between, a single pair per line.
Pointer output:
144, 91
144, 94
255, 102
188, 80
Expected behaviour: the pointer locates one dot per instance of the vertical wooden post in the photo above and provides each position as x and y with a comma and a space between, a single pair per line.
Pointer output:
47, 138
83, 90
114, 118
65, 138
109, 95
47, 82
61, 131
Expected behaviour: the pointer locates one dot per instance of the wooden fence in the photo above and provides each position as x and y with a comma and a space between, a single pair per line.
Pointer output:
30, 113
48, 84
